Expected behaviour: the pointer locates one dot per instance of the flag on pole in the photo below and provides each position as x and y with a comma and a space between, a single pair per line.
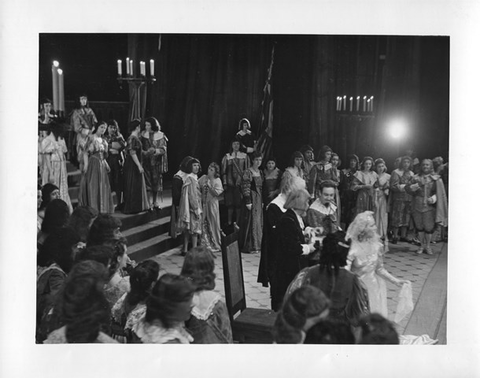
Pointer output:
264, 143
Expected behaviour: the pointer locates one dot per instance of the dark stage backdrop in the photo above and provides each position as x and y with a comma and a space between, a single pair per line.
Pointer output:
207, 83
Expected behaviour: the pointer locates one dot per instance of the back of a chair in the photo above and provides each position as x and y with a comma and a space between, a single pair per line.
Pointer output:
233, 274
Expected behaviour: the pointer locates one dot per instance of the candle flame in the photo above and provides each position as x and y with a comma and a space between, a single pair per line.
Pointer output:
60, 71
55, 63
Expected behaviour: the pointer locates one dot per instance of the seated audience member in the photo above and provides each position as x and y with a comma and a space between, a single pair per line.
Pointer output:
56, 216
210, 323
83, 308
168, 307
104, 227
113, 255
323, 211
55, 260
301, 310
81, 221
131, 306
375, 329
49, 193
330, 331
349, 299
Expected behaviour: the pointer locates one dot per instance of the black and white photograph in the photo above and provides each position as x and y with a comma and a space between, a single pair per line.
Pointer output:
238, 181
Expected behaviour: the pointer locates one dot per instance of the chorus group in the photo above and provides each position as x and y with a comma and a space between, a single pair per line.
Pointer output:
321, 232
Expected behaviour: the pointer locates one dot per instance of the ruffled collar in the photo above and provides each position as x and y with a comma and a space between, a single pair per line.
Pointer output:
203, 304
155, 333
321, 208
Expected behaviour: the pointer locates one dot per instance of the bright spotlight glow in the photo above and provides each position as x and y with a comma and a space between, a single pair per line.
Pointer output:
397, 129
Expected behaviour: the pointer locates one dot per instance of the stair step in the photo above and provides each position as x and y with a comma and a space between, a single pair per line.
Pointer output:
135, 220
152, 247
148, 230
73, 194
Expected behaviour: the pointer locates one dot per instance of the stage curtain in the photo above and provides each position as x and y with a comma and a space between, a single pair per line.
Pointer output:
207, 83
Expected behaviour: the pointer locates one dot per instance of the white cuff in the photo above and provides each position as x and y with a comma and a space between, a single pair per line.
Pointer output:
306, 249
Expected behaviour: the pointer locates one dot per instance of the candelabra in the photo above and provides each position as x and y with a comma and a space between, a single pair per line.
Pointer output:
136, 84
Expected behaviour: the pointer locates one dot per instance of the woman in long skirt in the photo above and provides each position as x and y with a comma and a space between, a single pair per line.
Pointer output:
381, 195
251, 221
115, 159
135, 191
95, 186
53, 149
211, 187
365, 183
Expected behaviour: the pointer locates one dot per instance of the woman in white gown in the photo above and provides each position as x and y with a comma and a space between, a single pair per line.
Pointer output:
366, 261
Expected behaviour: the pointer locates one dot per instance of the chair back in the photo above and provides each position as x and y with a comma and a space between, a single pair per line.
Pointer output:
233, 274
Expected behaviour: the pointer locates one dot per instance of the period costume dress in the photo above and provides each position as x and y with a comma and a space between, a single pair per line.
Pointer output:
54, 167
211, 214
381, 205
190, 209
320, 172
365, 196
210, 323
155, 160
271, 185
365, 259
251, 221
233, 165
135, 192
115, 160
246, 138
82, 121
116, 288
95, 185
399, 198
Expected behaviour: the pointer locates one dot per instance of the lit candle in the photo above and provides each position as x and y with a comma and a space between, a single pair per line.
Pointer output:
364, 103
337, 103
119, 67
128, 65
351, 104
358, 103
371, 103
344, 103
55, 84
131, 67
61, 93
142, 69
152, 67
368, 105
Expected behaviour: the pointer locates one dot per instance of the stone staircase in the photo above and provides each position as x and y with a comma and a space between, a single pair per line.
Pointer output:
147, 232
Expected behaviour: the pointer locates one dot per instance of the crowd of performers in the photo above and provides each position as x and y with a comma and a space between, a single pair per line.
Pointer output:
321, 230
133, 169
